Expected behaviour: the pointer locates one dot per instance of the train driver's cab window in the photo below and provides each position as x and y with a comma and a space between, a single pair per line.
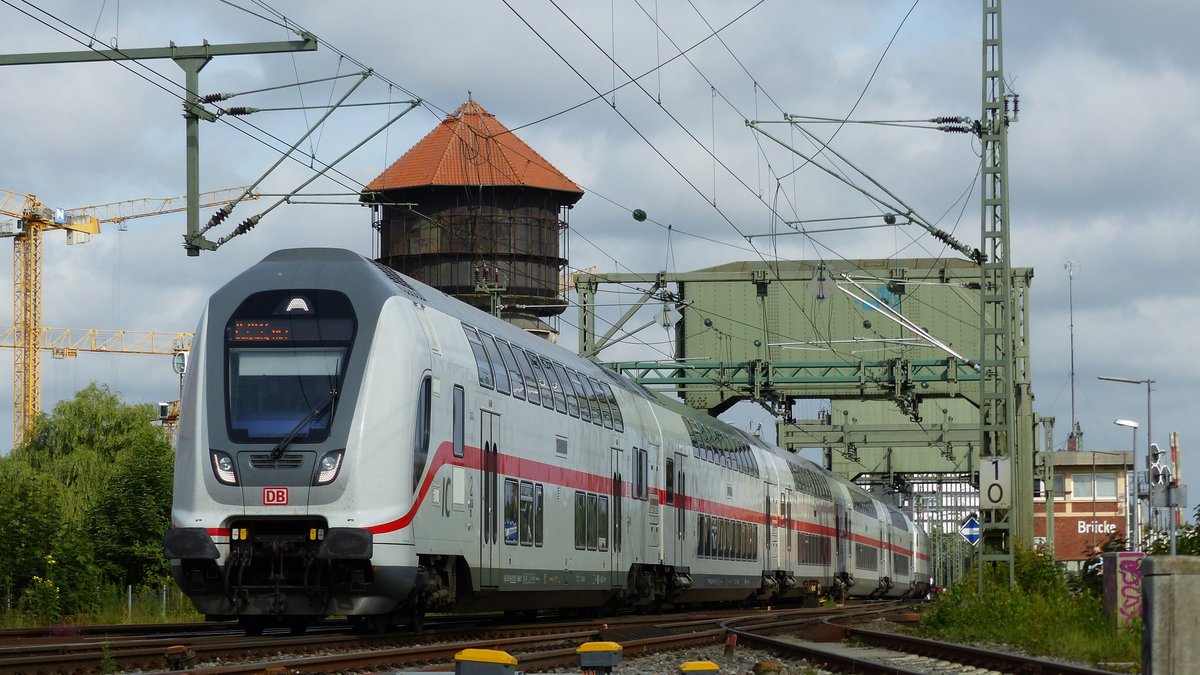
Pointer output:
286, 353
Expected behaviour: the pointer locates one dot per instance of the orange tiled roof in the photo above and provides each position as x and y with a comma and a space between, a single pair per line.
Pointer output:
472, 147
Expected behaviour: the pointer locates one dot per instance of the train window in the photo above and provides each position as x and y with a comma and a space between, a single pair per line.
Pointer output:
556, 388
900, 564
560, 446
514, 372
539, 503
459, 427
863, 503
481, 360
572, 402
593, 402
526, 518
581, 520
670, 482
499, 369
592, 521
644, 470
421, 432
866, 557
754, 543
542, 383
602, 523
605, 411
585, 410
286, 356
618, 422
511, 514
531, 387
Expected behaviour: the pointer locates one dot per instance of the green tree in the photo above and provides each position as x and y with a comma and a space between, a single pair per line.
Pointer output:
132, 513
29, 518
108, 469
78, 443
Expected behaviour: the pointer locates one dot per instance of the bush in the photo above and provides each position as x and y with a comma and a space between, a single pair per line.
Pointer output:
1040, 615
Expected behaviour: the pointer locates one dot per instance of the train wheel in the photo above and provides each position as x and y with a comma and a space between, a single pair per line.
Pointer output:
371, 624
416, 618
253, 625
298, 626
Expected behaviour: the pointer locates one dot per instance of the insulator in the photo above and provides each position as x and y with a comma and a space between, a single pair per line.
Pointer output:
238, 110
218, 217
246, 225
213, 98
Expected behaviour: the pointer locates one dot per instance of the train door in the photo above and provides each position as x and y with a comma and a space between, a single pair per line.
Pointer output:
842, 539
654, 502
772, 538
618, 518
885, 551
490, 534
677, 498
787, 560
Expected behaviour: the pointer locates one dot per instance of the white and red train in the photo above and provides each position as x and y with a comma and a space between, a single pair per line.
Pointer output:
353, 442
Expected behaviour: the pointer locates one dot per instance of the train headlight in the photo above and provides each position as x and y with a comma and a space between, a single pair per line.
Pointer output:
224, 467
327, 467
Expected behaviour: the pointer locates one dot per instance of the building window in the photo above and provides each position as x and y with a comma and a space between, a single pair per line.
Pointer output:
1094, 486
1106, 486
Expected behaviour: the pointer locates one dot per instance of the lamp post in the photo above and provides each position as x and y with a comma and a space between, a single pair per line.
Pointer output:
1149, 436
1137, 504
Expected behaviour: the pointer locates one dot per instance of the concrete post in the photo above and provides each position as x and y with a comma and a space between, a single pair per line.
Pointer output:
1123, 587
1170, 634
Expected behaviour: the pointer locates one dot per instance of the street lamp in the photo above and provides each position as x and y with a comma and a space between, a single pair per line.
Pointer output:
1137, 504
1149, 437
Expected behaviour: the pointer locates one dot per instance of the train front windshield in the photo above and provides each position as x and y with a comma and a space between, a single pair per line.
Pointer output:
286, 355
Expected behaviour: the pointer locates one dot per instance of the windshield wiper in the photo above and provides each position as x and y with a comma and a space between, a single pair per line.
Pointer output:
277, 451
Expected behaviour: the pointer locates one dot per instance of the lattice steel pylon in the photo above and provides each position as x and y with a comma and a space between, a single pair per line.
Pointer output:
998, 400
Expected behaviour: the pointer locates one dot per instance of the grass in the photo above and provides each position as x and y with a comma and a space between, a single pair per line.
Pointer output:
112, 607
1042, 616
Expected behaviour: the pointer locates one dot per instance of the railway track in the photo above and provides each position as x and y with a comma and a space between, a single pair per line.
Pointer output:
814, 636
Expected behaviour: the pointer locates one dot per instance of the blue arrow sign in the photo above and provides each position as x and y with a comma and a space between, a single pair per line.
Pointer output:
970, 530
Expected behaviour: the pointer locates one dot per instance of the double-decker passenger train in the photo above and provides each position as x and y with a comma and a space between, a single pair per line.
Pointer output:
353, 442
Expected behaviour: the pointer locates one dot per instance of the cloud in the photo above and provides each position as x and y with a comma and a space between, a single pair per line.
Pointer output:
1099, 160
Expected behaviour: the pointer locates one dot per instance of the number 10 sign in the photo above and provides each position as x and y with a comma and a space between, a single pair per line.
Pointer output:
995, 483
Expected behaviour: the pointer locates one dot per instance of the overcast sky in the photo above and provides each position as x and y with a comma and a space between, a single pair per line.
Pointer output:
1098, 175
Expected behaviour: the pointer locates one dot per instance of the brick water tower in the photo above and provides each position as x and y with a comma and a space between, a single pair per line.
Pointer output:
472, 207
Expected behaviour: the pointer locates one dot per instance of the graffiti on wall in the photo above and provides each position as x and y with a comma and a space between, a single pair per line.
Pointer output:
1123, 586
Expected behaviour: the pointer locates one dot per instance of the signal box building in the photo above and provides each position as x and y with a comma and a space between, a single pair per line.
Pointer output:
1091, 502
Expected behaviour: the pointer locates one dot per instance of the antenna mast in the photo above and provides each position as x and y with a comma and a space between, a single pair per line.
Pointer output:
1076, 434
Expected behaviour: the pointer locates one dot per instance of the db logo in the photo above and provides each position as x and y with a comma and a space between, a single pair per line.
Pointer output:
275, 496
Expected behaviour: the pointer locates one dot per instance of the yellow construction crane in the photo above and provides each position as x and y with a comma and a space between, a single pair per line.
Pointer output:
32, 218
69, 342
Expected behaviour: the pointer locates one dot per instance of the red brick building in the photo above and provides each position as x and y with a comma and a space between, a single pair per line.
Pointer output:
1091, 502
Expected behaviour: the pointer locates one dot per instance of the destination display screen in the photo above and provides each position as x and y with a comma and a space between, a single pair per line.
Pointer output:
307, 329
267, 330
